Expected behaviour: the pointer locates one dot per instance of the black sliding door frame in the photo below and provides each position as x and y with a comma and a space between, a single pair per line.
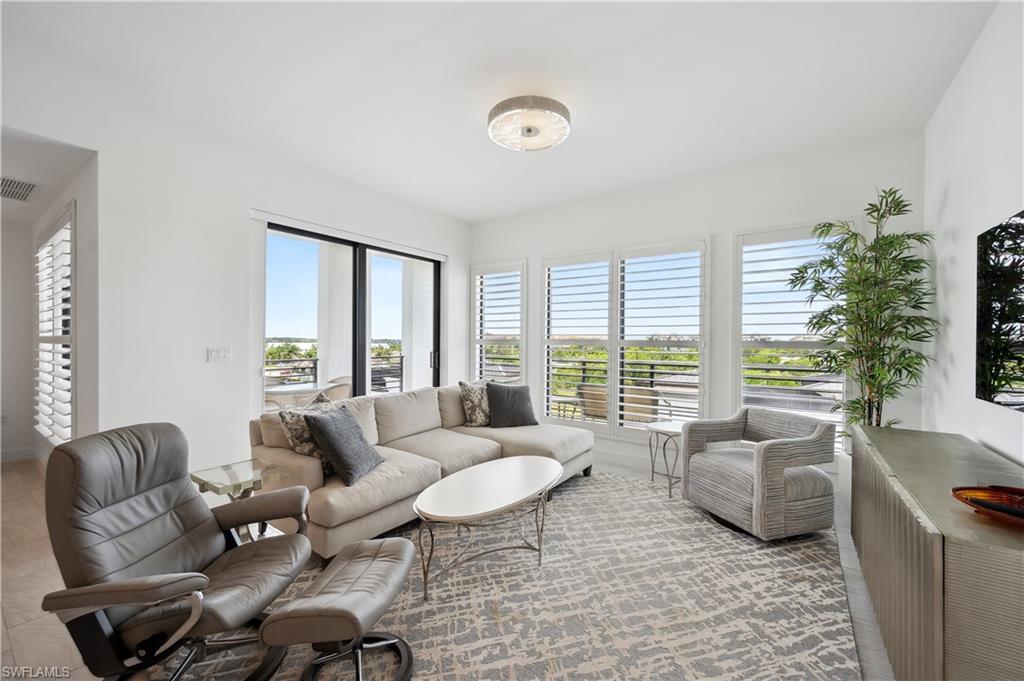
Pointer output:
360, 302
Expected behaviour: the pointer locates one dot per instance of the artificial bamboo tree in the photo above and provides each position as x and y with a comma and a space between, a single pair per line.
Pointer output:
877, 296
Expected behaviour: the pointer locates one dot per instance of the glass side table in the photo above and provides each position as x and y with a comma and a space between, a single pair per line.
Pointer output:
659, 435
239, 480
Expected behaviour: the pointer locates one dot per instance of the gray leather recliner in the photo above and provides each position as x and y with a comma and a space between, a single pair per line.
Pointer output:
148, 565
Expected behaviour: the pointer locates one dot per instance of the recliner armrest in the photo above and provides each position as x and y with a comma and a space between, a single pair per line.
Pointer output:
134, 591
289, 502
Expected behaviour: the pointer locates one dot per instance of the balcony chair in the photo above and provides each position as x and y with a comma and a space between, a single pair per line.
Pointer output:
771, 491
149, 567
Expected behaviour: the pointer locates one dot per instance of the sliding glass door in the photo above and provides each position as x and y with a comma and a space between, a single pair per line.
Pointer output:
344, 318
401, 314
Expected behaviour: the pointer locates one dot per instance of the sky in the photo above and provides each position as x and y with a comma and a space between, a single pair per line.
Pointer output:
292, 289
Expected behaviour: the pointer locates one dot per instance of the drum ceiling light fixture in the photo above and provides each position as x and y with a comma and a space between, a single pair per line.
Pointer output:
528, 123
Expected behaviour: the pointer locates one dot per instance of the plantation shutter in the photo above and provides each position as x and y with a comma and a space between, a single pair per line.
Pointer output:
659, 338
777, 367
498, 324
55, 347
577, 336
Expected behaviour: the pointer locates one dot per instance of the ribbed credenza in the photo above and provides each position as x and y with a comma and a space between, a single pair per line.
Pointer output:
947, 584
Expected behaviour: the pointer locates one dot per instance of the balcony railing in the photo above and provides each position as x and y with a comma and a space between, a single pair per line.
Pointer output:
785, 378
650, 390
386, 373
290, 371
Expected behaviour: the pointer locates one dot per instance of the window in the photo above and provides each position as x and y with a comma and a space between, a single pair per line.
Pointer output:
343, 317
638, 350
659, 332
54, 405
498, 323
778, 371
576, 340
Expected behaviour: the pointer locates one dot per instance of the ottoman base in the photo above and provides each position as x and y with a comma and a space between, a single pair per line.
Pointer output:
355, 648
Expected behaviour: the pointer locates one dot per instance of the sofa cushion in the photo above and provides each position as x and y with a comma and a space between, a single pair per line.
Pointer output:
449, 401
272, 430
454, 451
404, 414
402, 475
363, 411
730, 471
561, 443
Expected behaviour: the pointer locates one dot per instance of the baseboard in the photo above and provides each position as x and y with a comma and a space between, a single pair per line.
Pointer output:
18, 454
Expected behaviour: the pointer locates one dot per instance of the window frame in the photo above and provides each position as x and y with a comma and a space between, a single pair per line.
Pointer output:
759, 237
614, 343
475, 340
67, 219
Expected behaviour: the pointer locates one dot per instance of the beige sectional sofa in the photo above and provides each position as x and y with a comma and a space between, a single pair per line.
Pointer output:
422, 437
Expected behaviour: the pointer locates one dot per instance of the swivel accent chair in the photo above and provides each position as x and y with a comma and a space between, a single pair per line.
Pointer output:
149, 567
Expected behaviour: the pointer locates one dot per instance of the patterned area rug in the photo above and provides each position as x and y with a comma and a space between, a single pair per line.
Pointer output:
633, 586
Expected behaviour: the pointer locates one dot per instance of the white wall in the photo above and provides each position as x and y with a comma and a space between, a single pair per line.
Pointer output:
788, 192
974, 153
18, 255
180, 260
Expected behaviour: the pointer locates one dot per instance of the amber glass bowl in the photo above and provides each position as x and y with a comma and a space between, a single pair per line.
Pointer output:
1002, 503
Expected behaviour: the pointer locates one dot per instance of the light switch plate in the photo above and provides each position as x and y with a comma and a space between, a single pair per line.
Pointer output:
218, 354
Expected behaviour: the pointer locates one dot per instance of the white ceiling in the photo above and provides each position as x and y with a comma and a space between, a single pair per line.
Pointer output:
46, 163
395, 97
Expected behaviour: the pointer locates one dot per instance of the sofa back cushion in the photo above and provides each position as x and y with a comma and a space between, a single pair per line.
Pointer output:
404, 414
449, 400
272, 430
363, 411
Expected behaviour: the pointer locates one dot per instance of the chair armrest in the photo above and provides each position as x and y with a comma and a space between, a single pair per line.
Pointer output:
289, 502
135, 591
818, 447
698, 434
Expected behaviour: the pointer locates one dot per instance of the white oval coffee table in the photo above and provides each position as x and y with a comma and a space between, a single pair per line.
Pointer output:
476, 497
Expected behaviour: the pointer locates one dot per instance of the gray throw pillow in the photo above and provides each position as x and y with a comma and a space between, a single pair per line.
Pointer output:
510, 405
342, 443
474, 402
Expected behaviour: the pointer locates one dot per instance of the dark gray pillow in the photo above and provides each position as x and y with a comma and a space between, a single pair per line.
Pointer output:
510, 405
341, 440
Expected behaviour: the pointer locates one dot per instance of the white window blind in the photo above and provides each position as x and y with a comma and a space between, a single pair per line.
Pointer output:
54, 365
577, 339
623, 339
659, 338
498, 323
778, 371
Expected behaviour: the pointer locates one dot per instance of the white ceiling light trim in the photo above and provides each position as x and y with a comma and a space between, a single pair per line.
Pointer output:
528, 123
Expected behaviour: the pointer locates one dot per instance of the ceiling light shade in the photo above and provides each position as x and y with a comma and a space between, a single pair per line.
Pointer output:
528, 123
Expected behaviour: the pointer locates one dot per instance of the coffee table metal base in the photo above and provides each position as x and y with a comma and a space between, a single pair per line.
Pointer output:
538, 511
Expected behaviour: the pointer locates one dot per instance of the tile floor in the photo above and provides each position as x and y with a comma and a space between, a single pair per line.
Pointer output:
32, 638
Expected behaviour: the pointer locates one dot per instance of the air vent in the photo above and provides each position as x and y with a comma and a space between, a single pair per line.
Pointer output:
19, 190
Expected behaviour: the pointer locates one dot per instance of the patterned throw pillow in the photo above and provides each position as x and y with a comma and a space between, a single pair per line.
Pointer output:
474, 401
297, 431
